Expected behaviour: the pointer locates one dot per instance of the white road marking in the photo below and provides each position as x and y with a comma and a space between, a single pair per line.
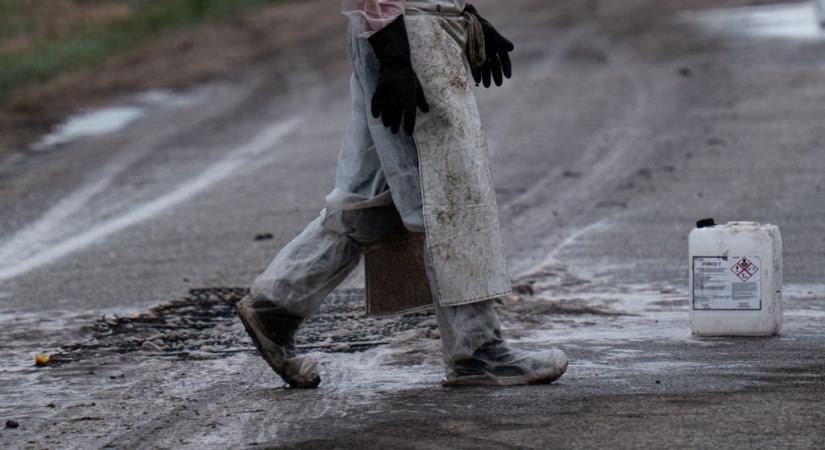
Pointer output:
787, 21
25, 251
32, 239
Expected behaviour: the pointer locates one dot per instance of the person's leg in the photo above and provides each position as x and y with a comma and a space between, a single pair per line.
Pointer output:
291, 290
296, 283
476, 355
359, 210
464, 329
305, 271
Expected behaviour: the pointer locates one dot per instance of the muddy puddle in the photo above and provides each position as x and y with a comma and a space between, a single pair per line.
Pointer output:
103, 121
94, 123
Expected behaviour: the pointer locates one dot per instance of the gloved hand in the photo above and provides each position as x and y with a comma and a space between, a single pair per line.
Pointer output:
497, 47
399, 92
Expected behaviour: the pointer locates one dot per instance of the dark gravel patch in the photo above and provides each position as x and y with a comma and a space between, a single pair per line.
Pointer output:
203, 325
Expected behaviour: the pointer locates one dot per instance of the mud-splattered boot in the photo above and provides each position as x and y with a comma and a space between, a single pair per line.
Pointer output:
476, 355
273, 332
495, 364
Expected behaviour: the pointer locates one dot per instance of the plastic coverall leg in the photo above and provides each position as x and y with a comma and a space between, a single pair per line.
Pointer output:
476, 355
376, 182
376, 188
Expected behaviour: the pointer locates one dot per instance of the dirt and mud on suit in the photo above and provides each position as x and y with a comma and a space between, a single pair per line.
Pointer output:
437, 181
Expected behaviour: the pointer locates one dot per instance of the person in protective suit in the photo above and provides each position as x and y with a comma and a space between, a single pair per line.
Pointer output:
414, 155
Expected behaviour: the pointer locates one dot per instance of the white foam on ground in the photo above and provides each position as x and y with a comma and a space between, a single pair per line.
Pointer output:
797, 21
373, 371
809, 290
654, 326
652, 321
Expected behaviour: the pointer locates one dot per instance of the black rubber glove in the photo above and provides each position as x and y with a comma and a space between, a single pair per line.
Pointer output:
497, 49
399, 92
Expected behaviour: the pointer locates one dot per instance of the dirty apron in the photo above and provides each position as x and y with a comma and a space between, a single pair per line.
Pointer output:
440, 181
458, 194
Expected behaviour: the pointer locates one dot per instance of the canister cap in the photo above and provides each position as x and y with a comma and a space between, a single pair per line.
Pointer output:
706, 223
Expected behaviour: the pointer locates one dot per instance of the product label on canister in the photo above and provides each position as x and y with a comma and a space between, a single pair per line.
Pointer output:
727, 283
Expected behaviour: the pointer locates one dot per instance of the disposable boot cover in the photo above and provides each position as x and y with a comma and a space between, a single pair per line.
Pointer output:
467, 328
499, 365
476, 355
273, 332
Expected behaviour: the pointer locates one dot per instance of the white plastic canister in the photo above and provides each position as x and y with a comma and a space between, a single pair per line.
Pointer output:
735, 279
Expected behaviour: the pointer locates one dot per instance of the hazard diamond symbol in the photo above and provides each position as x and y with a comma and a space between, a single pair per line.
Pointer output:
744, 269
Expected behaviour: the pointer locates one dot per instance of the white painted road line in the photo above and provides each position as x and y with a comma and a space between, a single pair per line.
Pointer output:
17, 257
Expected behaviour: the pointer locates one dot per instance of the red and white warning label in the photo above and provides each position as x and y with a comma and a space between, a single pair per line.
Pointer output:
745, 269
732, 283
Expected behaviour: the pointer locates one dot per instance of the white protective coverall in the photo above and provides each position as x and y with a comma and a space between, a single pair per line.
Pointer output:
437, 182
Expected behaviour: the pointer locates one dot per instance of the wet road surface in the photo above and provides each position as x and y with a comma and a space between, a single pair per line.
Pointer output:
625, 123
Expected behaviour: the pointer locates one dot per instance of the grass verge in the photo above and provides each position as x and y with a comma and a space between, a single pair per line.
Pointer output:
48, 55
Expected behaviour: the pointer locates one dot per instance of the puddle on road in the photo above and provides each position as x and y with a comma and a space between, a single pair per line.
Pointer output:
109, 120
797, 21
94, 123
24, 333
169, 99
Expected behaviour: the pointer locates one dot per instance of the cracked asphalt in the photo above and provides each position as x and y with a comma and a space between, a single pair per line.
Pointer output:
625, 123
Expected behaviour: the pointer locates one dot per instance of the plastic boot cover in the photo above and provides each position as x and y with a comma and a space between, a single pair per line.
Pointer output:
476, 355
273, 332
498, 365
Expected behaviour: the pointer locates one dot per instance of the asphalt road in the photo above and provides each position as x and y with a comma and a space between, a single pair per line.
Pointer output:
624, 124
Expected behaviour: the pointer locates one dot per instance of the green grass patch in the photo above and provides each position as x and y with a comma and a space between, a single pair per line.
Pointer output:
48, 56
